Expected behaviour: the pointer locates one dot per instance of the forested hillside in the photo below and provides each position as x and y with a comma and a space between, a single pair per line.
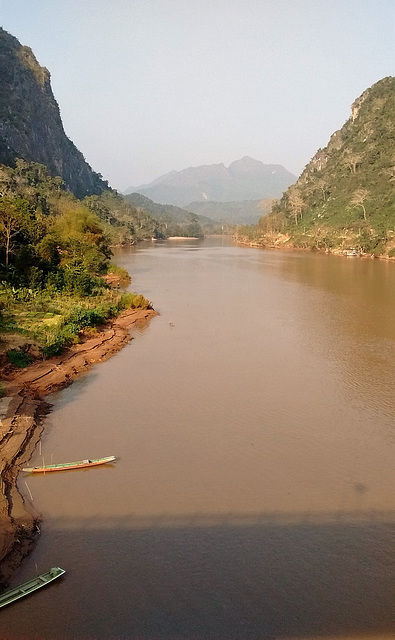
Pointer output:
55, 258
345, 197
43, 226
176, 221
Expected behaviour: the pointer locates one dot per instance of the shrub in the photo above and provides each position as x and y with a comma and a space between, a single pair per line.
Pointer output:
78, 281
105, 311
119, 271
19, 358
55, 347
55, 281
80, 317
133, 301
371, 243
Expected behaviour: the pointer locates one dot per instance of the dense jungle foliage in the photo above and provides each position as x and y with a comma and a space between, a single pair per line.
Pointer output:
345, 197
54, 254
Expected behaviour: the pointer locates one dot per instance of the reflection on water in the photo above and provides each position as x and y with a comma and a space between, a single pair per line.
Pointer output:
252, 422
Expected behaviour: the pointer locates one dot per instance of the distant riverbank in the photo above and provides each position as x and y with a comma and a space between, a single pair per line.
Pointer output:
182, 238
21, 417
285, 243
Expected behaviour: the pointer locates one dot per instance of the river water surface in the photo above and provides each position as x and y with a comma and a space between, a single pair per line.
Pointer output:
253, 424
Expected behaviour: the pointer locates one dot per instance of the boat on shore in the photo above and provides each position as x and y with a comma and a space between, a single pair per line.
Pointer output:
81, 464
32, 585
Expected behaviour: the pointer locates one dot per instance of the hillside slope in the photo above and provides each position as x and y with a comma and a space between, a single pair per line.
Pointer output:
345, 197
30, 123
176, 221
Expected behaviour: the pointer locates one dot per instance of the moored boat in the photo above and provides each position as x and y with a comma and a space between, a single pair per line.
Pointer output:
32, 585
81, 464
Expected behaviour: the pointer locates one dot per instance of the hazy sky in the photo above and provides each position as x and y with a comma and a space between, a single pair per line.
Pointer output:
147, 86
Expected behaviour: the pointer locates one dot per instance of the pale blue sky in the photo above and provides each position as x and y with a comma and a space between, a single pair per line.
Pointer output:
147, 86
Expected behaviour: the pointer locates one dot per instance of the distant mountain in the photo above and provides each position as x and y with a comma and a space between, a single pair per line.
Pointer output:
345, 197
245, 179
30, 123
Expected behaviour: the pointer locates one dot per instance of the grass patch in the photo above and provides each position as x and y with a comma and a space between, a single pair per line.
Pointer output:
119, 271
56, 320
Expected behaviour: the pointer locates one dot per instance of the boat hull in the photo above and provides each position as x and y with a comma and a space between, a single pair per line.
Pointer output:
81, 464
31, 586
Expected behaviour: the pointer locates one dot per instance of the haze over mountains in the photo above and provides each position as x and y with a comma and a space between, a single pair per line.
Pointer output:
344, 197
31, 128
244, 179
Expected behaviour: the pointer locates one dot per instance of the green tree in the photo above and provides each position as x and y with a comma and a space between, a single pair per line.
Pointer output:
193, 228
12, 222
295, 202
358, 199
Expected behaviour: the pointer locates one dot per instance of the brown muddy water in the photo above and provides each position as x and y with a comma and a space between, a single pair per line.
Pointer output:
253, 424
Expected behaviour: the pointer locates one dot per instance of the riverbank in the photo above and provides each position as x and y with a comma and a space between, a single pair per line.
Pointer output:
284, 243
22, 411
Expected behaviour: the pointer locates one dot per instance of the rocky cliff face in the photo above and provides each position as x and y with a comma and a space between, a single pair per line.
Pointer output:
361, 153
345, 196
30, 123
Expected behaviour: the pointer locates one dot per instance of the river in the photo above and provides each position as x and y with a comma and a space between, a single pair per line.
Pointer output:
253, 424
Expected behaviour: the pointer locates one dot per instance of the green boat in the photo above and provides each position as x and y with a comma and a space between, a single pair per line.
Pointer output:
64, 466
28, 587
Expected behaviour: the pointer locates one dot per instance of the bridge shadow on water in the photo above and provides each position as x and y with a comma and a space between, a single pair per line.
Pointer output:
227, 577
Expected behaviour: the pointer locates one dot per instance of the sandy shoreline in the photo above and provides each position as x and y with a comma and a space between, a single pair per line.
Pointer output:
22, 411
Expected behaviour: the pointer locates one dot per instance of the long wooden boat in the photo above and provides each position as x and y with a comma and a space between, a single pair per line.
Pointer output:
81, 464
30, 586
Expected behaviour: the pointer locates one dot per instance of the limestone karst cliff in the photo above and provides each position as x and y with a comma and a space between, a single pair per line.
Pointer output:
345, 197
30, 124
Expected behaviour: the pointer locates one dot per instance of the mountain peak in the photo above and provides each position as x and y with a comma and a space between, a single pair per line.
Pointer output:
246, 162
256, 168
244, 179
